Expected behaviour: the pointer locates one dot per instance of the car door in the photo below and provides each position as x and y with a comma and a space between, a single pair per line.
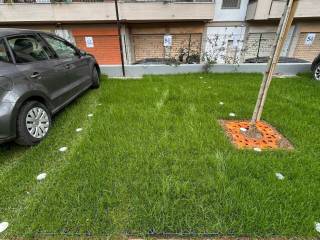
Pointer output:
37, 63
8, 73
78, 69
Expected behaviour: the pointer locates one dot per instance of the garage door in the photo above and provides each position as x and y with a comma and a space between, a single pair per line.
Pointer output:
151, 45
148, 46
260, 44
103, 43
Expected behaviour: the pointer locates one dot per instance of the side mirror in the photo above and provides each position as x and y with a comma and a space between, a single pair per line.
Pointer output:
82, 53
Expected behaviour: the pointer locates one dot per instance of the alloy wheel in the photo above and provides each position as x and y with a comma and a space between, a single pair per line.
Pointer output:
37, 122
317, 73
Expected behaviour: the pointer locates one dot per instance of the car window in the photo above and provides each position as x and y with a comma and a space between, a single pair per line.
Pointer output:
62, 48
4, 56
28, 48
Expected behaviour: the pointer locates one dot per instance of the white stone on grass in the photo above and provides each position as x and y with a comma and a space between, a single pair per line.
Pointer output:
232, 114
41, 176
90, 115
63, 149
243, 129
279, 176
200, 77
79, 129
257, 149
317, 226
3, 226
99, 104
221, 103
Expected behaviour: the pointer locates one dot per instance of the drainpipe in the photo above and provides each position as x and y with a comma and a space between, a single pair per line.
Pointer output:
120, 38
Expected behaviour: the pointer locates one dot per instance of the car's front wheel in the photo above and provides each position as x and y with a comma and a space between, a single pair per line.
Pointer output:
95, 78
33, 124
316, 72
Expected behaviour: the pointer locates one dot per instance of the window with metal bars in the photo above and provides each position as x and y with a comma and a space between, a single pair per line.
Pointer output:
229, 4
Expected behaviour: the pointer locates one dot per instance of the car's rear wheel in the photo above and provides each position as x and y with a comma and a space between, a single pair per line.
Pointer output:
33, 124
95, 78
316, 72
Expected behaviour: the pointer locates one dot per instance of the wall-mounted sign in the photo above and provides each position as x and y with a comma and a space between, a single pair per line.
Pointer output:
310, 39
235, 41
89, 42
43, 1
167, 40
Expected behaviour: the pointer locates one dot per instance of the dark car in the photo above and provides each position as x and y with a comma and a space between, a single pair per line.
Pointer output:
315, 68
40, 73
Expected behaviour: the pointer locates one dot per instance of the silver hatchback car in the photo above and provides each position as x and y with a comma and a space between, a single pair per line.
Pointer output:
40, 73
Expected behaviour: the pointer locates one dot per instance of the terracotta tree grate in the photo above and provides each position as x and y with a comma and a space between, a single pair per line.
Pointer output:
270, 137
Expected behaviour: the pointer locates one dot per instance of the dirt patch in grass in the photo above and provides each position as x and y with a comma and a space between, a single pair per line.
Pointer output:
269, 137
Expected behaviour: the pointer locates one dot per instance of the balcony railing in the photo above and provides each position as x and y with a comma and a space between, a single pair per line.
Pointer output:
125, 1
167, 1
15, 11
264, 10
50, 1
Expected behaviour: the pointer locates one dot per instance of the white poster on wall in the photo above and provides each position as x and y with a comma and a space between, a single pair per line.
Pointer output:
43, 1
89, 42
66, 34
310, 39
167, 40
235, 42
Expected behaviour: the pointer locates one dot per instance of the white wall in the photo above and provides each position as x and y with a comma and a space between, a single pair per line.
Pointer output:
230, 14
218, 47
217, 42
137, 71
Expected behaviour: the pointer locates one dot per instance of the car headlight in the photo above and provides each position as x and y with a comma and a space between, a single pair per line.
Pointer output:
5, 84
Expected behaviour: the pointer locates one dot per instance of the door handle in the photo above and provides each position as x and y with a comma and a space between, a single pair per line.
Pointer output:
35, 75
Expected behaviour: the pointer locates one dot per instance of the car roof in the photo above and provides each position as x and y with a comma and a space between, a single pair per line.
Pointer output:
11, 31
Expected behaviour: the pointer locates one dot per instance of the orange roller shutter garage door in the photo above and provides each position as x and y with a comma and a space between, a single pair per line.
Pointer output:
105, 43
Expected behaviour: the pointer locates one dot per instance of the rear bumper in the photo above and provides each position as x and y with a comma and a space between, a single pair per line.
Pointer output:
7, 122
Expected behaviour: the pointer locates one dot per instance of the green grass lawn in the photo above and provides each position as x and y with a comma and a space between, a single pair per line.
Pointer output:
153, 159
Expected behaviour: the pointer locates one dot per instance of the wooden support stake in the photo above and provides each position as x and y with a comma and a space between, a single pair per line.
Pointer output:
282, 32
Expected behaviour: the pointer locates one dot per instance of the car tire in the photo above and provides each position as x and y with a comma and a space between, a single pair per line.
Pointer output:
316, 72
95, 78
33, 123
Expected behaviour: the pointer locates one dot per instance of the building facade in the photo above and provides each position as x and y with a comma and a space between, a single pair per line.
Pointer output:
92, 26
225, 33
221, 31
303, 40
